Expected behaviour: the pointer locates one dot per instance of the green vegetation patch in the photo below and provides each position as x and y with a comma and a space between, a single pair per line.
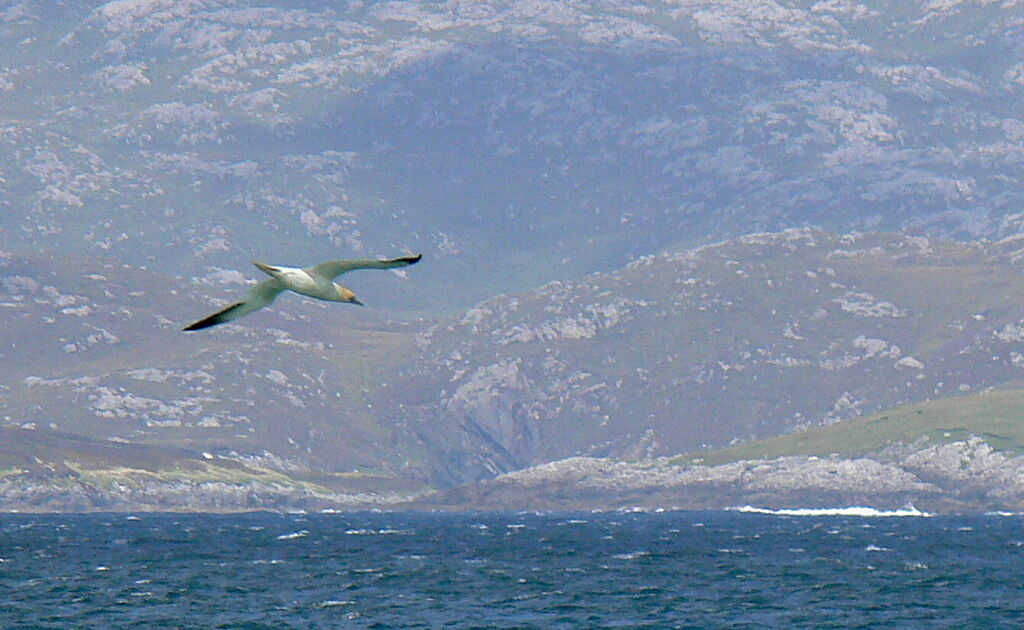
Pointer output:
997, 417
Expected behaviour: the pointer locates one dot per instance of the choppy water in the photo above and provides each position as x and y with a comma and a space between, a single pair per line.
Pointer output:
381, 570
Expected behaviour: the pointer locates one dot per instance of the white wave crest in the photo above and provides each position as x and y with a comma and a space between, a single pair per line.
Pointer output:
856, 510
331, 603
293, 535
385, 531
631, 556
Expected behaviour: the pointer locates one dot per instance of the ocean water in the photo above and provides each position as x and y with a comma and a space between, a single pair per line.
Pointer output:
732, 569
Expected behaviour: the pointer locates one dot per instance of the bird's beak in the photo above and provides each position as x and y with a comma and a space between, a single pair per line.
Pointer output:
356, 302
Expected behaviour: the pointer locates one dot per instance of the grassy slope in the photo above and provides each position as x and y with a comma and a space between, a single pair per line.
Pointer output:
63, 457
997, 417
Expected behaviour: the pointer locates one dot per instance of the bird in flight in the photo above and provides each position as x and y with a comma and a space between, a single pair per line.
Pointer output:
316, 282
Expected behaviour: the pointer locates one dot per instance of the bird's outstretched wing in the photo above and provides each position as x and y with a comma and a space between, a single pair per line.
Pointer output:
257, 297
334, 268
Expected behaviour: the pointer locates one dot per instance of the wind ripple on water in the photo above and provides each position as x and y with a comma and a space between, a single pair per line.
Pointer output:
510, 570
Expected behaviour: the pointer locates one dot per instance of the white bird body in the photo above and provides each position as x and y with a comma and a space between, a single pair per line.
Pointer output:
306, 283
315, 282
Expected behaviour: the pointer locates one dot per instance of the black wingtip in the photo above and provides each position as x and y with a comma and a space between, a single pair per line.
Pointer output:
212, 320
201, 324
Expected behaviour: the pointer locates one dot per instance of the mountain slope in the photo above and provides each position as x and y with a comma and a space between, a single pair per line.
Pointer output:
152, 149
97, 350
45, 471
513, 144
725, 343
953, 455
997, 417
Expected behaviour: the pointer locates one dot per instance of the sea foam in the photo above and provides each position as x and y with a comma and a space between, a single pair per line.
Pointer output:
856, 510
292, 536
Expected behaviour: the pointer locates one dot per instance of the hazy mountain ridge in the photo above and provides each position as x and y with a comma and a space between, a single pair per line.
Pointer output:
587, 134
155, 147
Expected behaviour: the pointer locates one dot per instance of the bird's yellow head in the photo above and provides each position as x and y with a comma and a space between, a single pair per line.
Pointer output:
346, 295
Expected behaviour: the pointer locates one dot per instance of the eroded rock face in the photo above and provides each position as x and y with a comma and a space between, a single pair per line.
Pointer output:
724, 343
959, 476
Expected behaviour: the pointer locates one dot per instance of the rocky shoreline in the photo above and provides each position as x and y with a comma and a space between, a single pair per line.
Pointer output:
64, 495
963, 476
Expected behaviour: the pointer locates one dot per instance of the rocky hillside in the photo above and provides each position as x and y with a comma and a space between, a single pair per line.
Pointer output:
721, 344
956, 454
98, 351
514, 143
648, 228
49, 471
925, 456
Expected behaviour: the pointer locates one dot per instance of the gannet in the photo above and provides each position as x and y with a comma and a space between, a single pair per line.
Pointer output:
316, 282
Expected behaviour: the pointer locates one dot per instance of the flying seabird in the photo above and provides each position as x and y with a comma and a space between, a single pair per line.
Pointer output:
316, 282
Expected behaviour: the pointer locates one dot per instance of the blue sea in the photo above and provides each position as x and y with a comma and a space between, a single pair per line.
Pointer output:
729, 569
